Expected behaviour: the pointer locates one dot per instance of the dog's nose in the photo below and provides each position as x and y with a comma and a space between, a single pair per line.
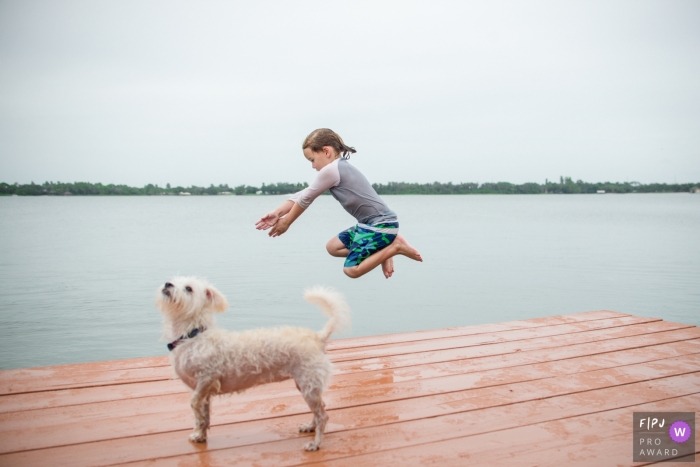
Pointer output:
168, 285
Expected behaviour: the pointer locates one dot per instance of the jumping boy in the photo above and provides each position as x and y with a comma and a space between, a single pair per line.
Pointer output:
375, 239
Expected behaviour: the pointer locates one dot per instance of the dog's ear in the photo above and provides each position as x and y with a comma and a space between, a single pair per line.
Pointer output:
217, 300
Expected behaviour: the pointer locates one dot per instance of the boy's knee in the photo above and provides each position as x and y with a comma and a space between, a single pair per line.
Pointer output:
332, 246
351, 272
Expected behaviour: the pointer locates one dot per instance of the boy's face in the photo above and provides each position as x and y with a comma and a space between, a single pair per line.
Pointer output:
321, 158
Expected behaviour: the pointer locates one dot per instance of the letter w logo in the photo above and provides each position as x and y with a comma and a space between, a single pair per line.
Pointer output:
680, 431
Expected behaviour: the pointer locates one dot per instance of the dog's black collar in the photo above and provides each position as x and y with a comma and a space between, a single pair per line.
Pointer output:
189, 335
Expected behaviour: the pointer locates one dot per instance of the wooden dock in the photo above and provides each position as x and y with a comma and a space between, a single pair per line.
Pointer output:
554, 391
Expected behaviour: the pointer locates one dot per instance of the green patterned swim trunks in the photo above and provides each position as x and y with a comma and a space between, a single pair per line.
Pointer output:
364, 240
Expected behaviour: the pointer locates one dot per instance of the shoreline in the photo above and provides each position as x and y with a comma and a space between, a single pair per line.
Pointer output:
565, 186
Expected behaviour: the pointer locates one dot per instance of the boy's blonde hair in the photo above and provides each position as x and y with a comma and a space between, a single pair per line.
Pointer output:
326, 137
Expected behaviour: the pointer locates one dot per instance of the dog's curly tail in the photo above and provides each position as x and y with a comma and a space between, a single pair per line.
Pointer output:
333, 304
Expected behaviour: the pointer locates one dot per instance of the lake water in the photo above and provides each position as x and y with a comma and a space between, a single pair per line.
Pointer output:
79, 274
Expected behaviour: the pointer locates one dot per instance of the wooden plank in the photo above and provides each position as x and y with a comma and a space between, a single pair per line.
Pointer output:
513, 335
113, 450
670, 341
398, 361
48, 371
463, 392
590, 357
163, 403
35, 381
64, 397
8, 377
602, 438
91, 375
32, 401
358, 446
367, 341
287, 389
158, 368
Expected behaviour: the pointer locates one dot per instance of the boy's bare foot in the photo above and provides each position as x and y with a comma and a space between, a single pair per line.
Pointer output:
388, 267
403, 248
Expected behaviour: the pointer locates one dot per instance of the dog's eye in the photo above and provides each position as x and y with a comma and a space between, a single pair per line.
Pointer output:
188, 288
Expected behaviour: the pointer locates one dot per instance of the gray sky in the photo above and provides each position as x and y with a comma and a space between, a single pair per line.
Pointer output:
140, 92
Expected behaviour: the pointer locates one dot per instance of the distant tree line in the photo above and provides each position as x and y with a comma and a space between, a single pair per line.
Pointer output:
98, 189
565, 185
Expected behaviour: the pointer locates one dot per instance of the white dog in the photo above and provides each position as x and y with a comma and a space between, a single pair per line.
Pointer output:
212, 361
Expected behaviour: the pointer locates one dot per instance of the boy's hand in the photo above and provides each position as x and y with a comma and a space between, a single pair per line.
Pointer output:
267, 221
279, 228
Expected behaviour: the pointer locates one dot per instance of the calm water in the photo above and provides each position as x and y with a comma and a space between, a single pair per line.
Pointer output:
79, 274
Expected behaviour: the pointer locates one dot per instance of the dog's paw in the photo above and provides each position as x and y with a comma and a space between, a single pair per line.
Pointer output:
198, 438
311, 446
308, 428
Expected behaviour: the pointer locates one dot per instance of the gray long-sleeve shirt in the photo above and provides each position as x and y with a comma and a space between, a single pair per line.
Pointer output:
351, 189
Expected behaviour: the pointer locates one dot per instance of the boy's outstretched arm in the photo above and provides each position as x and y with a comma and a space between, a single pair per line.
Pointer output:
271, 218
283, 224
282, 217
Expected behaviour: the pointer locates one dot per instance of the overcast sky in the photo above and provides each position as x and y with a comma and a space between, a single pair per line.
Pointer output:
139, 92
